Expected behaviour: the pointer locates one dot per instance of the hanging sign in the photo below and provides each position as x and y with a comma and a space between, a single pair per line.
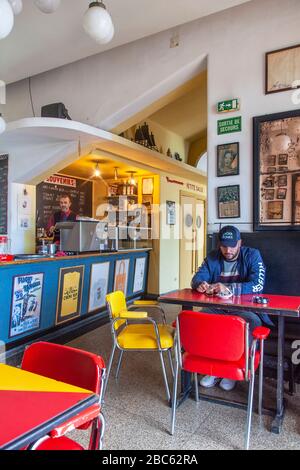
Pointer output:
227, 126
229, 106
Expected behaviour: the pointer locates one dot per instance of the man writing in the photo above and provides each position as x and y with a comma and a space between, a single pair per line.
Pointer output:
65, 214
231, 263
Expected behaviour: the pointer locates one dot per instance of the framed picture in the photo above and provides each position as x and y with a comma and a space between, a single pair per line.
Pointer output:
121, 275
27, 294
171, 212
139, 275
283, 69
69, 293
98, 286
148, 186
229, 202
228, 159
276, 135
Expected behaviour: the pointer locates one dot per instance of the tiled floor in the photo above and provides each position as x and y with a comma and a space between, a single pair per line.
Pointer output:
137, 415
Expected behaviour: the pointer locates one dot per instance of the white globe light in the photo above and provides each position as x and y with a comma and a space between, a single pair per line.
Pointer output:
2, 124
17, 6
6, 18
98, 24
47, 6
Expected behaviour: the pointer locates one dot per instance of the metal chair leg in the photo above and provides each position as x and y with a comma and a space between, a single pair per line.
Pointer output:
119, 364
171, 362
196, 387
261, 382
165, 375
174, 399
249, 411
108, 371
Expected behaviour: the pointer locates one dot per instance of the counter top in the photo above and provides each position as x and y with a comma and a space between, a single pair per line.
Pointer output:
80, 256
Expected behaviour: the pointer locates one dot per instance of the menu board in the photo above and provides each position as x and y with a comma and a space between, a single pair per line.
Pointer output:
49, 192
3, 193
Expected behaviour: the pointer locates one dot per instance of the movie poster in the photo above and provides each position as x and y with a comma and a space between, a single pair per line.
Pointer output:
26, 303
69, 293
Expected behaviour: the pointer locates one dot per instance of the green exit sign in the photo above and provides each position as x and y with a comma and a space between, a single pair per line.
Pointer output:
228, 106
226, 126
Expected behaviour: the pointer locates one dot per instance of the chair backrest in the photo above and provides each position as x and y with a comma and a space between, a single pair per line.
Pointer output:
220, 337
65, 364
116, 302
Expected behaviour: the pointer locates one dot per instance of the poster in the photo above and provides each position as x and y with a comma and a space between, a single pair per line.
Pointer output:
98, 286
26, 303
139, 274
24, 211
121, 275
69, 293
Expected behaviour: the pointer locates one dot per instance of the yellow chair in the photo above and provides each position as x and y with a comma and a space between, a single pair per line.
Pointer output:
136, 331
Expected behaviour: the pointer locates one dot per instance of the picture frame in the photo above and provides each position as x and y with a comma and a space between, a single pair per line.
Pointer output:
68, 305
229, 202
99, 278
147, 186
282, 69
228, 156
139, 274
171, 212
121, 275
276, 134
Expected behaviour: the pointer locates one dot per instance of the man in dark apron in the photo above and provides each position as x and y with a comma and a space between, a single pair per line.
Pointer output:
64, 215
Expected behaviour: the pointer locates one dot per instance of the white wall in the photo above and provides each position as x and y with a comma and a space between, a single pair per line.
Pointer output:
106, 89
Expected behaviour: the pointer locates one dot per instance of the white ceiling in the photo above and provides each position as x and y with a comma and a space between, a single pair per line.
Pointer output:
41, 42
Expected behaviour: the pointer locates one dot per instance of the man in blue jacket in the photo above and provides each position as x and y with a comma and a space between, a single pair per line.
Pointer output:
231, 263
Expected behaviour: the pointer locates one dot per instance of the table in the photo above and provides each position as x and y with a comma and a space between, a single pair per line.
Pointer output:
278, 305
32, 405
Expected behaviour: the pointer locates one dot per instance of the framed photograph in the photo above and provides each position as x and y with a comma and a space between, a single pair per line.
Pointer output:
148, 186
27, 294
228, 159
269, 194
229, 202
279, 135
98, 286
121, 275
171, 212
282, 69
69, 297
139, 274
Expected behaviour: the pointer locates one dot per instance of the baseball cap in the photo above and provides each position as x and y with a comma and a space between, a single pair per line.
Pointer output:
229, 236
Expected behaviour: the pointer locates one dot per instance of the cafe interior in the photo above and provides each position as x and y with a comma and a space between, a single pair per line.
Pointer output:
149, 225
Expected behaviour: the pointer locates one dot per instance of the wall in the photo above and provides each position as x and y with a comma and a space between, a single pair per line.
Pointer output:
127, 79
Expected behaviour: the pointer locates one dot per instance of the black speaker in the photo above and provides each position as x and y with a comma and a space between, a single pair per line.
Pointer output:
55, 110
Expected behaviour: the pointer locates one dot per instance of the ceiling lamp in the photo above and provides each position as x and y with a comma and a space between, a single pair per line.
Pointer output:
116, 173
97, 172
98, 24
6, 18
17, 6
2, 124
47, 6
131, 180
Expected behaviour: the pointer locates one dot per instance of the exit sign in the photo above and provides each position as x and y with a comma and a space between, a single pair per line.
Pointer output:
228, 106
226, 126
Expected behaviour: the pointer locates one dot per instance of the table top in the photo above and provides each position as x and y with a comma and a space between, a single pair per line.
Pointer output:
32, 405
286, 305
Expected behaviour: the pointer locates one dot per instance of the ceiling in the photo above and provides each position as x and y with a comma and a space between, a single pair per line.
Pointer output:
41, 42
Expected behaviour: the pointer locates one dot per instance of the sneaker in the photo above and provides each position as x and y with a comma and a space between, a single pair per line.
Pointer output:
227, 384
209, 381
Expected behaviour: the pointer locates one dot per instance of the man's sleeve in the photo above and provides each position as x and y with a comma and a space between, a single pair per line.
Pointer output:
257, 274
50, 223
202, 275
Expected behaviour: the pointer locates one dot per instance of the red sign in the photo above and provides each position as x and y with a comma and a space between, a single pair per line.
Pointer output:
61, 181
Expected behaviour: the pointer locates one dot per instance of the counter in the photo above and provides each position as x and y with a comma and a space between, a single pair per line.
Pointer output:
52, 294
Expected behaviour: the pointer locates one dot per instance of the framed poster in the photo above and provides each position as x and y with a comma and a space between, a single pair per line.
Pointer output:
171, 212
121, 275
98, 286
228, 202
69, 293
26, 303
148, 186
276, 144
139, 274
283, 69
228, 159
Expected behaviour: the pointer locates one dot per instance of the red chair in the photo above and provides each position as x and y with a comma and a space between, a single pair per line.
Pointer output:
75, 367
218, 345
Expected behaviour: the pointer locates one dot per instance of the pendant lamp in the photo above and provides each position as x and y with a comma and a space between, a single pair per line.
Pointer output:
6, 18
2, 124
47, 6
98, 24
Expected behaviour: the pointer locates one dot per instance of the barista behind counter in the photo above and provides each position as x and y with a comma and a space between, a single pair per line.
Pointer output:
65, 214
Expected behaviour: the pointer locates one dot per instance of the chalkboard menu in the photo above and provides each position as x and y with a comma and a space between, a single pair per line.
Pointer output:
49, 192
3, 193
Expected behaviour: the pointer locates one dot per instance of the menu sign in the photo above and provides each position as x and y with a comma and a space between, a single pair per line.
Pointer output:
3, 193
49, 192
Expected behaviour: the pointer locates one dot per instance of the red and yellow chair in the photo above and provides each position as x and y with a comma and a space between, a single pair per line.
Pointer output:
218, 345
134, 330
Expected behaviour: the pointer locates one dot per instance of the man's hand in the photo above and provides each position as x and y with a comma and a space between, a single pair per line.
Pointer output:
220, 288
202, 288
51, 231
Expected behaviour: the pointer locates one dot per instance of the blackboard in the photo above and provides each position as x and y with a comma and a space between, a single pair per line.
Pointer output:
49, 192
3, 193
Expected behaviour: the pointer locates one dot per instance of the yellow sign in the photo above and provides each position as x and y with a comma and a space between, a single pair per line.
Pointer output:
70, 294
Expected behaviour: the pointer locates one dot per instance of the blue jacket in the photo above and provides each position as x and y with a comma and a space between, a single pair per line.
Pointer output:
251, 269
